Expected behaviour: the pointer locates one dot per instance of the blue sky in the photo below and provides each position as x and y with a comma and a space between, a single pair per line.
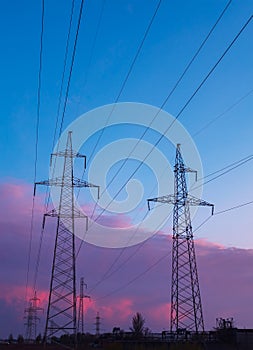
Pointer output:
99, 70
175, 35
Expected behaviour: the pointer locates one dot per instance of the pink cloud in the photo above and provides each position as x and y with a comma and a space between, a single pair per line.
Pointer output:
225, 274
117, 220
118, 312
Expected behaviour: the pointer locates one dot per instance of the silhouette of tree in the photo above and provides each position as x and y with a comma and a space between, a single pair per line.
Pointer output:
20, 339
38, 339
137, 325
10, 339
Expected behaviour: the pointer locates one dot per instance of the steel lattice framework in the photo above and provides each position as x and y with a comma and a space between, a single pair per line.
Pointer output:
80, 325
32, 318
186, 307
61, 312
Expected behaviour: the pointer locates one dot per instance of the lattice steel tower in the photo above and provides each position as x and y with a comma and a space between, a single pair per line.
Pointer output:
82, 296
61, 311
186, 307
32, 318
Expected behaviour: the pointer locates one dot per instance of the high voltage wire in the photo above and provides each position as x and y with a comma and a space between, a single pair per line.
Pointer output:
236, 103
146, 270
165, 101
233, 208
206, 126
89, 63
136, 277
47, 196
241, 162
127, 75
59, 104
92, 51
64, 70
170, 93
122, 88
71, 66
168, 253
235, 165
227, 166
244, 159
36, 142
179, 113
107, 275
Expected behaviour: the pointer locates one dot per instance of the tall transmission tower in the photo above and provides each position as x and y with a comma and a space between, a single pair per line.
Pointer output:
186, 307
32, 318
61, 311
80, 325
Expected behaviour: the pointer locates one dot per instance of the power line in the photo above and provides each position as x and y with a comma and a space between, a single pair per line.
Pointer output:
167, 254
64, 70
171, 92
36, 141
107, 275
179, 113
47, 196
227, 166
90, 60
121, 90
167, 98
223, 113
136, 277
65, 103
92, 52
71, 65
233, 208
241, 162
147, 269
59, 104
128, 74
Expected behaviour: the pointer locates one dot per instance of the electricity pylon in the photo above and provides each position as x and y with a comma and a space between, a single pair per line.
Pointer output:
80, 325
61, 311
186, 307
97, 324
32, 318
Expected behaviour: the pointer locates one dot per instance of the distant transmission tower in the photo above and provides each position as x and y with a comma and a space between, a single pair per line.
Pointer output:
97, 324
186, 307
81, 306
61, 312
32, 318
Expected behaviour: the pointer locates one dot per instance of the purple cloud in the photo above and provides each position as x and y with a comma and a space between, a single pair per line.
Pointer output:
226, 279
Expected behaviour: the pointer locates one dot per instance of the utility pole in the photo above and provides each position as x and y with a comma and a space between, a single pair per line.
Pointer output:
186, 307
32, 318
61, 311
81, 306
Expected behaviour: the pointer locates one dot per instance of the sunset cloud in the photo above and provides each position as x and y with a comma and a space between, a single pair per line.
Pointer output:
225, 274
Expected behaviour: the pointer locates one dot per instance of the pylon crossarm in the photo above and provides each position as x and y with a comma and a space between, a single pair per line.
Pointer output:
51, 182
199, 202
55, 213
69, 153
170, 199
81, 183
189, 170
79, 155
46, 183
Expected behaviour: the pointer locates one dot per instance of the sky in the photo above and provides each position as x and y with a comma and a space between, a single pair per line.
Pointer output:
217, 121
